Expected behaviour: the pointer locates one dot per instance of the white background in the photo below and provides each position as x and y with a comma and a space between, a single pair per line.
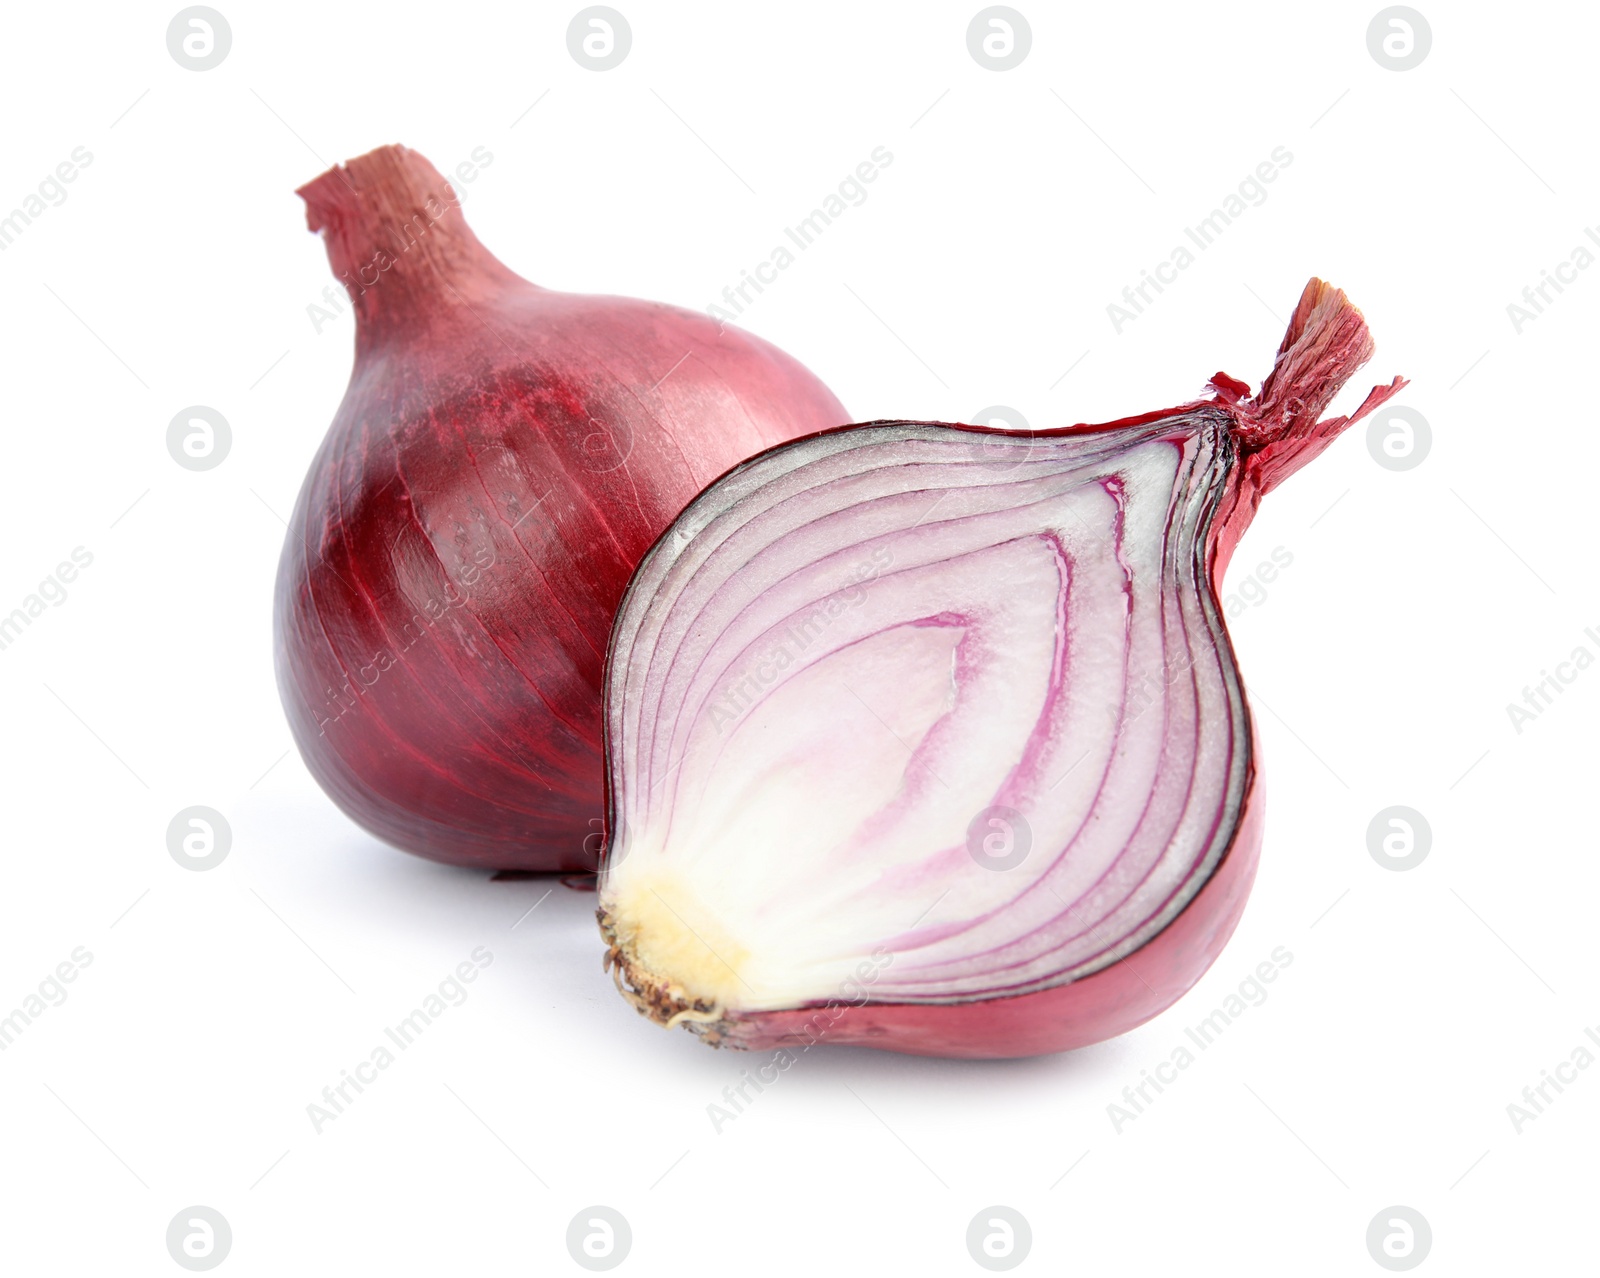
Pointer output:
1019, 203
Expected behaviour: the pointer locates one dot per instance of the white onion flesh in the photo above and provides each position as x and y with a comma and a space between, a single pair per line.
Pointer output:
850, 648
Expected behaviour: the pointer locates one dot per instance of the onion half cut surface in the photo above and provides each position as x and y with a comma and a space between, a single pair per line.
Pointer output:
931, 738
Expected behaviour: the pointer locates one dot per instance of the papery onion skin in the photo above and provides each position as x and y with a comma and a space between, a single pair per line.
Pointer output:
503, 457
1272, 435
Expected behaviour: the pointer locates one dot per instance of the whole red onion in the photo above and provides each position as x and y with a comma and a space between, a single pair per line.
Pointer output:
503, 457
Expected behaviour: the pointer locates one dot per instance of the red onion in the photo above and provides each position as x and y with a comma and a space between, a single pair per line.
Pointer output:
503, 458
931, 739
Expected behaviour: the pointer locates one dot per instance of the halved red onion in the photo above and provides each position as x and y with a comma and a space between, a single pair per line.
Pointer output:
931, 738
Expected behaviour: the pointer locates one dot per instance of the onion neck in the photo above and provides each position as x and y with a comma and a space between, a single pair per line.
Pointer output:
1279, 431
398, 242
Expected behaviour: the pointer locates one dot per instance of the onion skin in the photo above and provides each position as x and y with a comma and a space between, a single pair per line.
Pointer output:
503, 457
1272, 435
